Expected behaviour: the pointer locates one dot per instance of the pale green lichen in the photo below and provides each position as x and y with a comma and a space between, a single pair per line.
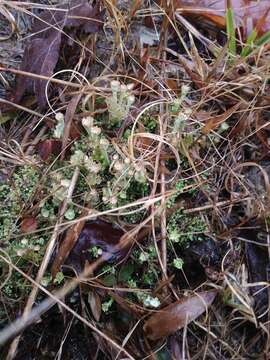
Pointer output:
59, 128
178, 263
148, 300
106, 305
119, 103
59, 278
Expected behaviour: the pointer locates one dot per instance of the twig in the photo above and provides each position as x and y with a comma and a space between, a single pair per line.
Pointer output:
163, 222
71, 108
212, 206
42, 77
163, 126
23, 108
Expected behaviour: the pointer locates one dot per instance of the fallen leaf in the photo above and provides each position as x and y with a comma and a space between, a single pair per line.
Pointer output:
95, 304
172, 85
49, 147
79, 239
84, 16
66, 246
257, 263
42, 52
70, 111
41, 55
247, 13
179, 314
176, 348
29, 224
190, 69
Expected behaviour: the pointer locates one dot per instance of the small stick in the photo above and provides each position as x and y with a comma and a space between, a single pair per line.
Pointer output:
163, 222
212, 206
23, 108
163, 126
41, 77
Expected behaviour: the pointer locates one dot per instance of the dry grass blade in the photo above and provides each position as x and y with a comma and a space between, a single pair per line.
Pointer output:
10, 18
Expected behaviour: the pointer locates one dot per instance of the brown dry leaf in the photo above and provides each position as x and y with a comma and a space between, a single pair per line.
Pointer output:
214, 122
177, 315
191, 71
29, 224
49, 147
95, 304
71, 108
247, 13
172, 85
200, 65
66, 246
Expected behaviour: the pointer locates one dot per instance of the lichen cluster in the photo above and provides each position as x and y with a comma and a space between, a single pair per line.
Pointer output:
109, 177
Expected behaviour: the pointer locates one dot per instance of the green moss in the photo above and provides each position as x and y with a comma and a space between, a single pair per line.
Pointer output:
184, 229
149, 122
14, 196
182, 186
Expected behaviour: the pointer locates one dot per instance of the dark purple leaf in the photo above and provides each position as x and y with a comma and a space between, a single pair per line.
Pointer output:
80, 238
82, 14
257, 260
70, 238
42, 52
96, 233
29, 224
49, 147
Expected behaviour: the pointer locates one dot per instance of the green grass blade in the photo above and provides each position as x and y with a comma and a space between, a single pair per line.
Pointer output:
230, 28
263, 39
249, 43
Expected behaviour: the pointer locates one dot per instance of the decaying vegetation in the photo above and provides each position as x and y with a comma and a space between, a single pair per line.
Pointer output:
134, 179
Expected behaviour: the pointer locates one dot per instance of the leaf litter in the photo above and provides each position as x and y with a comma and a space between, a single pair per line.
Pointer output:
247, 12
161, 168
43, 49
178, 315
